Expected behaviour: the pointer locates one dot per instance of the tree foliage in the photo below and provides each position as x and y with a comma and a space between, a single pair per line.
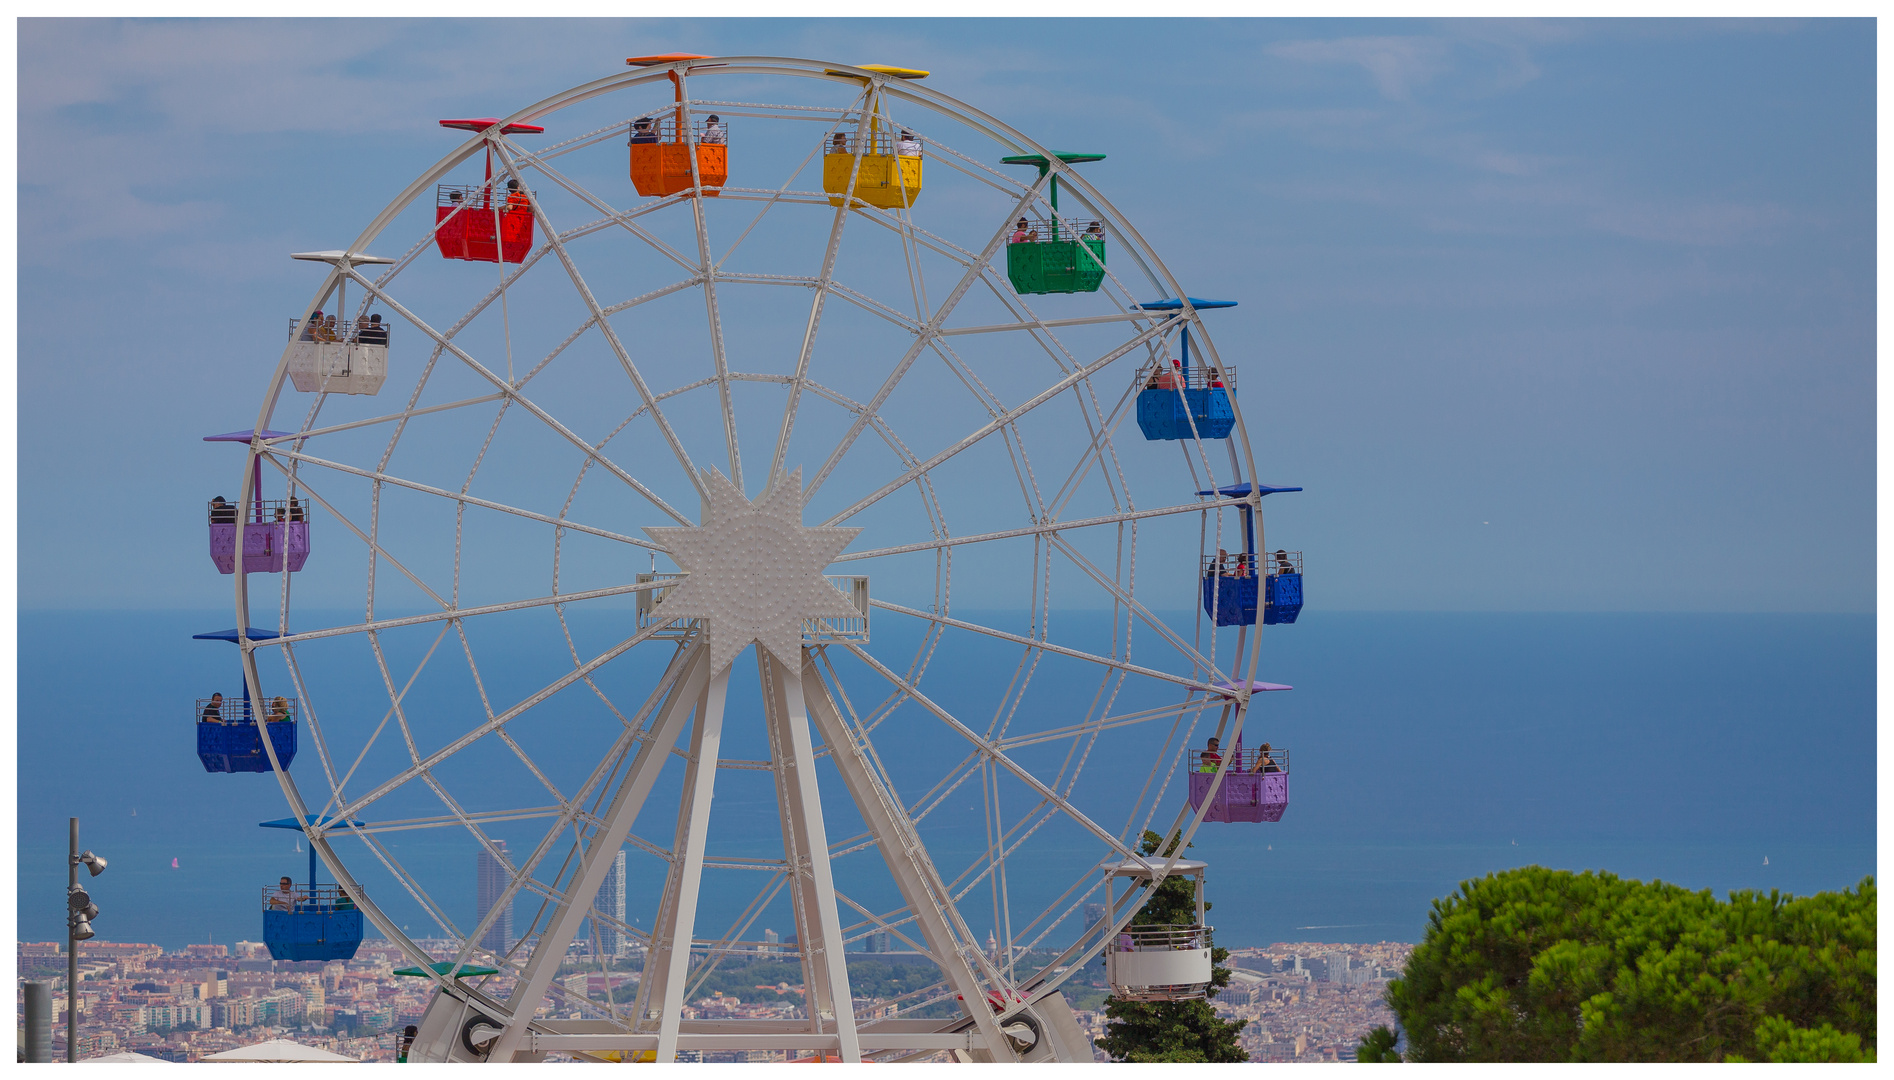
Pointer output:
1172, 1031
1378, 1047
1544, 965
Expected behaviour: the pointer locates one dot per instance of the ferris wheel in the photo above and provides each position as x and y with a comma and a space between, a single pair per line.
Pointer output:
744, 492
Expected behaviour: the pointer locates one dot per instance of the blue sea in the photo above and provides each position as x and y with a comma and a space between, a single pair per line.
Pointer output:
1715, 751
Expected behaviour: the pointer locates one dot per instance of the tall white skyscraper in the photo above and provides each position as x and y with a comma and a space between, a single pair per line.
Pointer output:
489, 884
611, 902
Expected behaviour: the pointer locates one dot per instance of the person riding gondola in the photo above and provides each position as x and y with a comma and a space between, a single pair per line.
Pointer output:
221, 512
284, 896
1210, 760
213, 710
1265, 763
644, 130
714, 131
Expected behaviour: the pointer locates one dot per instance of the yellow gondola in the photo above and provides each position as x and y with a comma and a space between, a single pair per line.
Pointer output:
889, 174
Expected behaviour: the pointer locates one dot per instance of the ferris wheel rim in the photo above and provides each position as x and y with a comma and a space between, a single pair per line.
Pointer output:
939, 103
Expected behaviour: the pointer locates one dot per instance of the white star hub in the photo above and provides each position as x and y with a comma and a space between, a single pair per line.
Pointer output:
754, 570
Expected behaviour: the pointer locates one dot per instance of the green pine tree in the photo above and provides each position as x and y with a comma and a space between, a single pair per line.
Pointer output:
1547, 965
1377, 1047
1172, 1031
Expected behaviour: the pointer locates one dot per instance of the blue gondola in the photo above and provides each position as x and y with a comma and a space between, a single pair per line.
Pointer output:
232, 742
319, 922
1232, 583
237, 747
1184, 402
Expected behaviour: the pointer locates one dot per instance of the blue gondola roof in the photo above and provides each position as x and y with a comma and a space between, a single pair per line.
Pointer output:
1244, 489
1176, 305
306, 819
231, 635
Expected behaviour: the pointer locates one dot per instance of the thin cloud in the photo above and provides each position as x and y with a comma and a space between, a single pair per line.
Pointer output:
1397, 64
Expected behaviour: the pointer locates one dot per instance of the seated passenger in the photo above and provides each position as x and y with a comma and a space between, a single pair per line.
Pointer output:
1020, 235
1094, 232
644, 130
221, 512
516, 197
1283, 565
281, 515
279, 711
295, 509
283, 897
1215, 378
375, 333
1264, 763
325, 331
714, 131
213, 710
1172, 379
1210, 760
343, 901
908, 145
838, 143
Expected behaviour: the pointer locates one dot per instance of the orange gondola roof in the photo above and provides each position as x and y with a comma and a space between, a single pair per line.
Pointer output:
663, 58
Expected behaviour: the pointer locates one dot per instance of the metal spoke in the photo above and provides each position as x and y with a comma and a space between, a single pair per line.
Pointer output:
513, 394
996, 424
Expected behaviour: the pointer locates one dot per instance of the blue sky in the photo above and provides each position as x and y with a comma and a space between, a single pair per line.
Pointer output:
1545, 316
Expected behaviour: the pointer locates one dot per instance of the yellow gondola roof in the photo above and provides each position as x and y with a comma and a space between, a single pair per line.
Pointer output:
881, 69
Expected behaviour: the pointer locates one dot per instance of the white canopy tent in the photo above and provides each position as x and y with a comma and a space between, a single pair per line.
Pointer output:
276, 1050
127, 1057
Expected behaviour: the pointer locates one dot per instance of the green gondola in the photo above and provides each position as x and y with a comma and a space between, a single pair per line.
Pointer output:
1053, 256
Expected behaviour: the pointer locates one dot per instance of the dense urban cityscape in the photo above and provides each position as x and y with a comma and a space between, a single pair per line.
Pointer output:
1302, 1001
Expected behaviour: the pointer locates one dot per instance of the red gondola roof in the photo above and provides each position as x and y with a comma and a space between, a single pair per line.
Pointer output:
482, 123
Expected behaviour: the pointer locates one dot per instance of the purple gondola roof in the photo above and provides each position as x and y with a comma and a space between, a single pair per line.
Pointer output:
245, 435
1255, 687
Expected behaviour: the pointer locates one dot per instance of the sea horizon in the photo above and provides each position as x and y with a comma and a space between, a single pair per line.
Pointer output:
1712, 750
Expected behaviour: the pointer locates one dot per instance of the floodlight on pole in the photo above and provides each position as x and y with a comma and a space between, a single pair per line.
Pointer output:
80, 911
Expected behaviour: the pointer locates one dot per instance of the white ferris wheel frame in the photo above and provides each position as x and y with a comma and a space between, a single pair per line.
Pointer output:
988, 1011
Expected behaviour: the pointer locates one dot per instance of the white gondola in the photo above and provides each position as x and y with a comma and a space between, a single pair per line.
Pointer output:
354, 359
1153, 962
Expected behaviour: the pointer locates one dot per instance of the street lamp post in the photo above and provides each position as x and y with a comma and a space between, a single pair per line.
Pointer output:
80, 911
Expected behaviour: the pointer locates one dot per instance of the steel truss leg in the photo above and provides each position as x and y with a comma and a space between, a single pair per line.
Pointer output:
703, 776
926, 895
599, 854
805, 836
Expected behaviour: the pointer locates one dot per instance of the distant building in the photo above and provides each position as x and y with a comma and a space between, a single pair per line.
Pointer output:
610, 902
880, 941
1094, 914
770, 948
490, 881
